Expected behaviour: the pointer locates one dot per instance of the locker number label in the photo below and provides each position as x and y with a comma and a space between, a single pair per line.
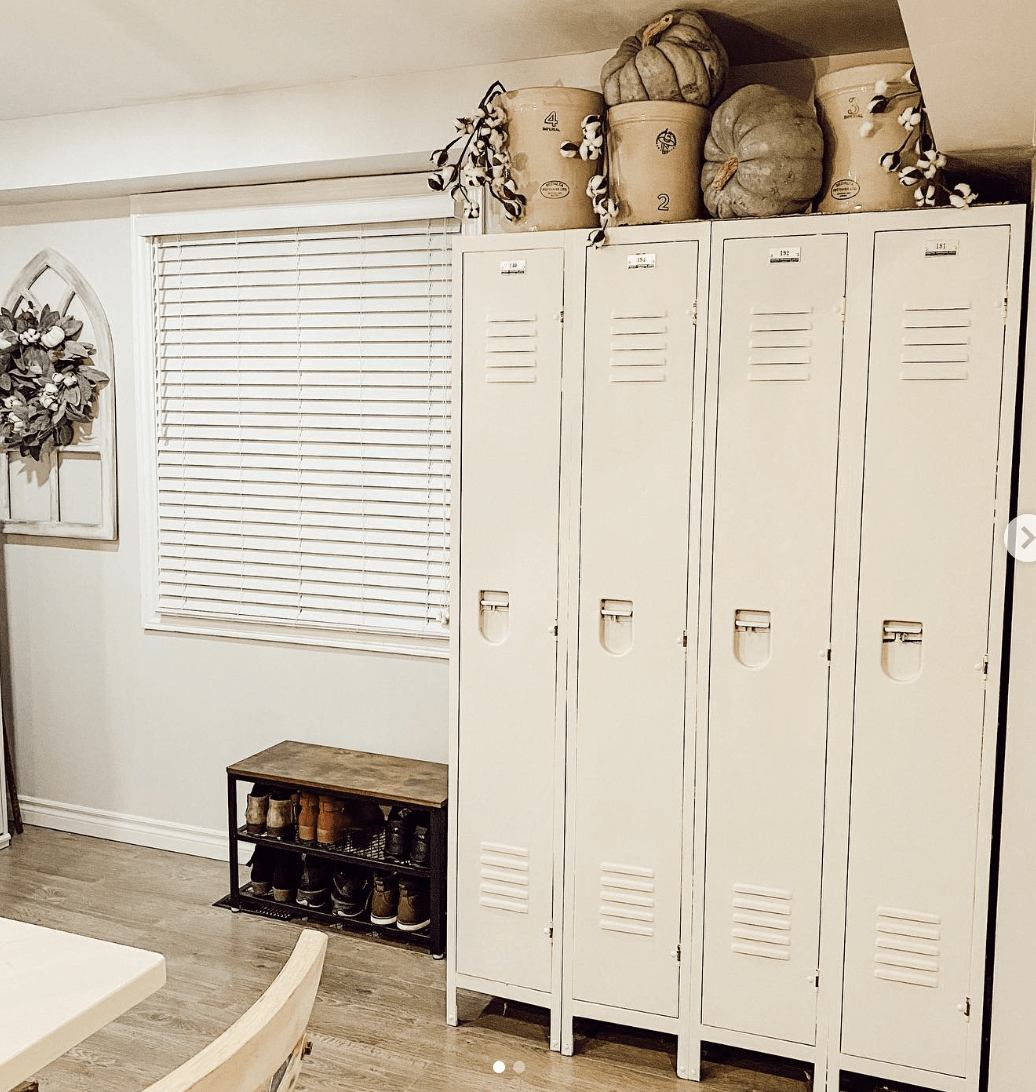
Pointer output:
517, 266
785, 253
941, 249
640, 261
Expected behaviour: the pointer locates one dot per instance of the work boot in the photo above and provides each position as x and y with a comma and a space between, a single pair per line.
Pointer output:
286, 872
256, 807
280, 818
398, 833
308, 811
413, 905
420, 850
262, 871
385, 899
332, 819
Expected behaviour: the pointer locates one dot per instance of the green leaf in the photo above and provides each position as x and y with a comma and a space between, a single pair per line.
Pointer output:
95, 375
76, 349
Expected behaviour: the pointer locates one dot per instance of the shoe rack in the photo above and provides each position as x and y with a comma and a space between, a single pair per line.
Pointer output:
356, 777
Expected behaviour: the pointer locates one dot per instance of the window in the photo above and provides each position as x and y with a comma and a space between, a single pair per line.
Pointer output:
301, 430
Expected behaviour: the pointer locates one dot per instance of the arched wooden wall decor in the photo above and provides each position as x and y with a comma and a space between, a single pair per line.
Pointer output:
71, 491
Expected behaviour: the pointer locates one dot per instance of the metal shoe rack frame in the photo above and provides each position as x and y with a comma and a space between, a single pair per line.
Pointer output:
351, 775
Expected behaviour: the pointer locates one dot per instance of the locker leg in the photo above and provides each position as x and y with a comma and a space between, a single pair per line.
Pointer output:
568, 1042
451, 1005
688, 1057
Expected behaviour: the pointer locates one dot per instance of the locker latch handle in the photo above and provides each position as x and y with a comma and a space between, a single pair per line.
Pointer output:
902, 649
752, 621
494, 616
616, 630
752, 637
902, 631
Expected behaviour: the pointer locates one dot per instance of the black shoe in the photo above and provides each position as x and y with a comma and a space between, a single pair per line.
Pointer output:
420, 850
398, 833
351, 893
286, 872
314, 888
262, 871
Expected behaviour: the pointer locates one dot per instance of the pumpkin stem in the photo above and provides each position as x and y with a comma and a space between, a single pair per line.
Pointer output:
653, 30
725, 173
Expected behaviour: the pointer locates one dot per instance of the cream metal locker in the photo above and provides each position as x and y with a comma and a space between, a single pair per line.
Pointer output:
925, 704
509, 728
778, 368
626, 737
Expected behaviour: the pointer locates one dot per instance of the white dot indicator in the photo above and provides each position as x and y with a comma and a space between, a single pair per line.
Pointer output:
499, 1067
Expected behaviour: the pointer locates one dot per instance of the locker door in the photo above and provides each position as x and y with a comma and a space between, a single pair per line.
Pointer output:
930, 476
779, 375
628, 780
509, 496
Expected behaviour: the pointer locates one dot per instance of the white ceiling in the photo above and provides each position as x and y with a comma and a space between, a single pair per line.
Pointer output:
64, 56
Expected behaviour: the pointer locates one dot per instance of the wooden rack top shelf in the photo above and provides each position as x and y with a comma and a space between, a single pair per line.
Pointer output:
359, 773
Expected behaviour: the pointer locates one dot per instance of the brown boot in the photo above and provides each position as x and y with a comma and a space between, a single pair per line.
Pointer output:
413, 905
280, 819
257, 806
385, 899
309, 809
331, 821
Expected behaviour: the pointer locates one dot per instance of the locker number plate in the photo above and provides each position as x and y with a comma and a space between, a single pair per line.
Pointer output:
785, 253
517, 266
640, 261
940, 250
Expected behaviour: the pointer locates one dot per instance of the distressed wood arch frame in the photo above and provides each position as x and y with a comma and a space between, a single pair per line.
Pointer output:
53, 513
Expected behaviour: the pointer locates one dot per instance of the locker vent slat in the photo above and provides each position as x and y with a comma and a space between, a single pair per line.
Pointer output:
761, 921
627, 903
936, 342
906, 948
504, 877
637, 348
511, 348
779, 344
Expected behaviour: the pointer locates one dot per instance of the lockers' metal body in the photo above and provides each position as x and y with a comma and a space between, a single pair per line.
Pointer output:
506, 613
779, 370
903, 538
929, 498
835, 546
626, 738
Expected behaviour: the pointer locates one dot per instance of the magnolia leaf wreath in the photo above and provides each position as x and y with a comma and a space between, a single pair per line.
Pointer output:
47, 379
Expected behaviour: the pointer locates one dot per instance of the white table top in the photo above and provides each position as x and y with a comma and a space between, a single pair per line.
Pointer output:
58, 988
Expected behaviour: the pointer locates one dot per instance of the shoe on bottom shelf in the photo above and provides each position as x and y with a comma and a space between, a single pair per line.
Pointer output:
351, 893
314, 890
287, 870
385, 899
412, 914
261, 865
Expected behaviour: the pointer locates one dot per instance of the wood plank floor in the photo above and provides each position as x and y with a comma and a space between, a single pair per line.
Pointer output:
378, 1023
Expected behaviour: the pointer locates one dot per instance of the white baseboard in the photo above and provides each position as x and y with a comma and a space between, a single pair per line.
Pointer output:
134, 829
5, 841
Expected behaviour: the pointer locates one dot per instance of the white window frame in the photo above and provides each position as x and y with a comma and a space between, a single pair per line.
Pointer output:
268, 207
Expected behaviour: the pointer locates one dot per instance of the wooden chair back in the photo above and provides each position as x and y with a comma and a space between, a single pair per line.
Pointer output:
263, 1050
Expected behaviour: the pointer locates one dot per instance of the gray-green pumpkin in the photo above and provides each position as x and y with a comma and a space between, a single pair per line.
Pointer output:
675, 58
763, 155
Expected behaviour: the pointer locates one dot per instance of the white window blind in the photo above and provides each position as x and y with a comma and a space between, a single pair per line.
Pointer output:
303, 427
